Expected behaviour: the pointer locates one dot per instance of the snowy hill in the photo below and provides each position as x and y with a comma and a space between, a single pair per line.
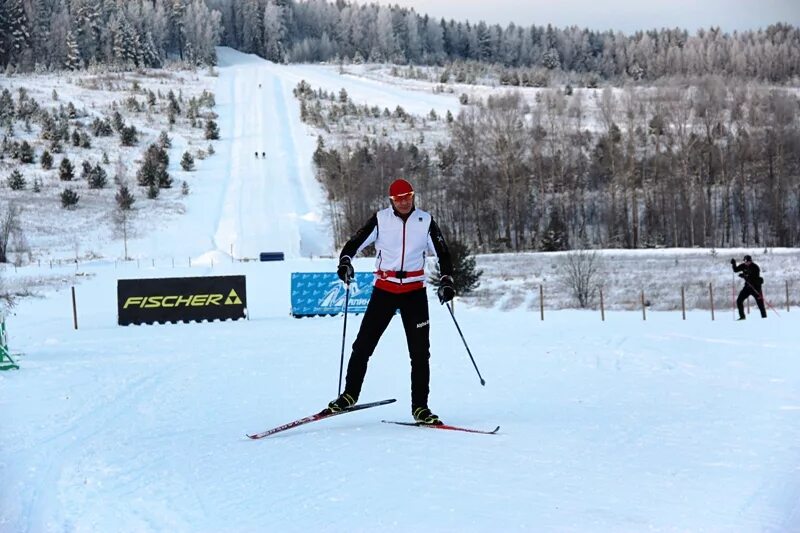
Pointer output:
615, 425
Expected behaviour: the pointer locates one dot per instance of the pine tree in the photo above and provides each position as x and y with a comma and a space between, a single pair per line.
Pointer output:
69, 198
555, 236
176, 25
152, 191
73, 61
97, 177
274, 32
187, 162
149, 54
128, 135
4, 35
164, 141
66, 171
18, 37
26, 154
154, 168
465, 278
46, 160
15, 181
212, 130
124, 198
6, 107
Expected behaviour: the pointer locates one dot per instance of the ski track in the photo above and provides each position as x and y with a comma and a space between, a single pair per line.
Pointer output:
83, 433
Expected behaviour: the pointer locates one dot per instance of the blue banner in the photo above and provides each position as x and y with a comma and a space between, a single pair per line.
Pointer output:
322, 293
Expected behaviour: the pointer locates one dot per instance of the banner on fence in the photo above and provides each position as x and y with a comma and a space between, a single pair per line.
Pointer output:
322, 293
271, 256
146, 301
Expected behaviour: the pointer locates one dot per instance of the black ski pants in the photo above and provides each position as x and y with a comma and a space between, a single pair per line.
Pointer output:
381, 308
746, 292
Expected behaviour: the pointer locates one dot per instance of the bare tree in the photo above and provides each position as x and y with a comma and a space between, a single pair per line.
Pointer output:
119, 218
581, 275
9, 227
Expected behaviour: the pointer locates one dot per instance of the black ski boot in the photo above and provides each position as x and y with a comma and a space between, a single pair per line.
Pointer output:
423, 415
341, 403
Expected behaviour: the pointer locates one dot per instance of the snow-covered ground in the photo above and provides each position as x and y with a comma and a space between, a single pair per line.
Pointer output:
621, 425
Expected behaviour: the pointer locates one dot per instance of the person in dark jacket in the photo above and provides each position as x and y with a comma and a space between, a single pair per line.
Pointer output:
753, 282
403, 236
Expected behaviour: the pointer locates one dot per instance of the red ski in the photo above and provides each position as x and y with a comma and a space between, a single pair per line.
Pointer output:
322, 415
443, 426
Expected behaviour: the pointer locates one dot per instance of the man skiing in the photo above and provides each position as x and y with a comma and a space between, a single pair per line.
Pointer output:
753, 281
403, 236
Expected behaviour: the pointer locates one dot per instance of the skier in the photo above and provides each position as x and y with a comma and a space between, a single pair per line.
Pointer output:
403, 235
263, 155
256, 155
753, 281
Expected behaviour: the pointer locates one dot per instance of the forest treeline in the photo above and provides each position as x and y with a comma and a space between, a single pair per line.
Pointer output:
710, 165
55, 34
700, 147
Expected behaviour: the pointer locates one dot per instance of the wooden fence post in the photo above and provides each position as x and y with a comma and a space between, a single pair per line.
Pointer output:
787, 295
683, 302
74, 309
602, 307
711, 297
644, 314
541, 301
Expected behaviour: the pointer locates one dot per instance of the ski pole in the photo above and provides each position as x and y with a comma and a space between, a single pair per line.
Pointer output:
761, 297
465, 344
344, 332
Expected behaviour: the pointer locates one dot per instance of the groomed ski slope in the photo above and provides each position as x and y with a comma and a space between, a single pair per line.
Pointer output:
622, 425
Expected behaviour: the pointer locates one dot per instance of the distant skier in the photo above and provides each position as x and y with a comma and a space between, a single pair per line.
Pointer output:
263, 155
403, 236
256, 155
753, 282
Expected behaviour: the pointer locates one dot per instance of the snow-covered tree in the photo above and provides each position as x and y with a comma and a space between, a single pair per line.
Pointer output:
274, 32
17, 30
73, 60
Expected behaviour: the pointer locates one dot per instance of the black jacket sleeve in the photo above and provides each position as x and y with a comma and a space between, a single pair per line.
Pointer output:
351, 247
442, 252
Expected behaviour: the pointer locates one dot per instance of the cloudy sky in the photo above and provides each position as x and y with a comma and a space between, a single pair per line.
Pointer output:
624, 15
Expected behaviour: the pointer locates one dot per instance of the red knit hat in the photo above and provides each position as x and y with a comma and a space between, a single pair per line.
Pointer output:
400, 187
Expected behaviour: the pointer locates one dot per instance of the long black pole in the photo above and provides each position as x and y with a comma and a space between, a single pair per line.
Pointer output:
344, 332
483, 382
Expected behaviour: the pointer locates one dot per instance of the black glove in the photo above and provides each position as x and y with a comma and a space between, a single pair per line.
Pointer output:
345, 270
743, 275
733, 262
446, 291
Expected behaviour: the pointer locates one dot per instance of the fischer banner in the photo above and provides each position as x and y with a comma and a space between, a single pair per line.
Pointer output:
147, 301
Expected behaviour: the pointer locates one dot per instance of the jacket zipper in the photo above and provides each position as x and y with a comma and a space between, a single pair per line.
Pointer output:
403, 251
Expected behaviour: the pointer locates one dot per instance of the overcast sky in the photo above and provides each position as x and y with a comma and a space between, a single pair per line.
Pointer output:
624, 15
